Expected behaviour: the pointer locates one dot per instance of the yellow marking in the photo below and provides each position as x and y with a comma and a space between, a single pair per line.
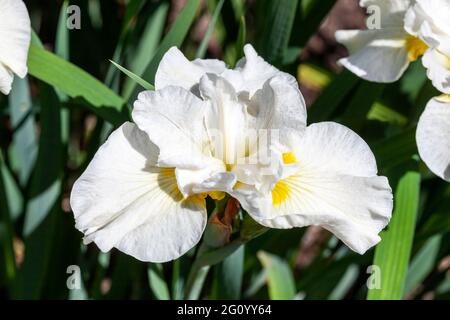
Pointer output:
280, 193
215, 195
416, 47
289, 157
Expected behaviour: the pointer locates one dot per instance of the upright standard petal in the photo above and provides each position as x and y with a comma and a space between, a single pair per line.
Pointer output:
376, 55
225, 118
122, 200
15, 37
252, 72
392, 12
433, 136
176, 70
336, 187
280, 107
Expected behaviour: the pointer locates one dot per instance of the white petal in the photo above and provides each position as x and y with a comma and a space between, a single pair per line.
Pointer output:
433, 137
333, 147
438, 69
6, 79
375, 55
355, 209
15, 36
225, 118
428, 19
336, 187
212, 178
173, 119
392, 11
278, 108
175, 70
252, 72
122, 201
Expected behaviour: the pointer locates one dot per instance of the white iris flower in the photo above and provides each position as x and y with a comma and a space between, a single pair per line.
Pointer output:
207, 130
433, 136
15, 35
428, 20
409, 30
382, 55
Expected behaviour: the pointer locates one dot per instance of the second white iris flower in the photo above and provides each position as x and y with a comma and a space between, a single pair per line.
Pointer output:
209, 130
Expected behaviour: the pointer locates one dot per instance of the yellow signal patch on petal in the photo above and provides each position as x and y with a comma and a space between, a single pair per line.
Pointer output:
280, 193
215, 195
289, 157
416, 47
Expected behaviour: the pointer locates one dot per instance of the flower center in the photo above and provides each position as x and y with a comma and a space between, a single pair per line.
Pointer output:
415, 47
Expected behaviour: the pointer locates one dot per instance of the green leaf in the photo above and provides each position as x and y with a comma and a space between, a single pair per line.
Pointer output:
156, 281
228, 276
423, 263
212, 24
8, 265
242, 37
276, 20
22, 119
345, 284
356, 110
144, 84
13, 193
331, 97
44, 206
383, 113
148, 43
174, 37
133, 8
393, 252
395, 150
75, 82
195, 286
279, 277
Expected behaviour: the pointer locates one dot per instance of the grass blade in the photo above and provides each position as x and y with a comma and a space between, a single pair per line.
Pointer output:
144, 84
393, 253
276, 22
228, 276
174, 37
22, 119
279, 277
147, 46
212, 24
156, 281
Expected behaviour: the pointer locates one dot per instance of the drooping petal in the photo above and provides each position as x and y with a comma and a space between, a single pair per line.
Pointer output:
438, 69
392, 12
335, 187
433, 136
176, 70
173, 119
355, 209
15, 37
123, 201
375, 55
